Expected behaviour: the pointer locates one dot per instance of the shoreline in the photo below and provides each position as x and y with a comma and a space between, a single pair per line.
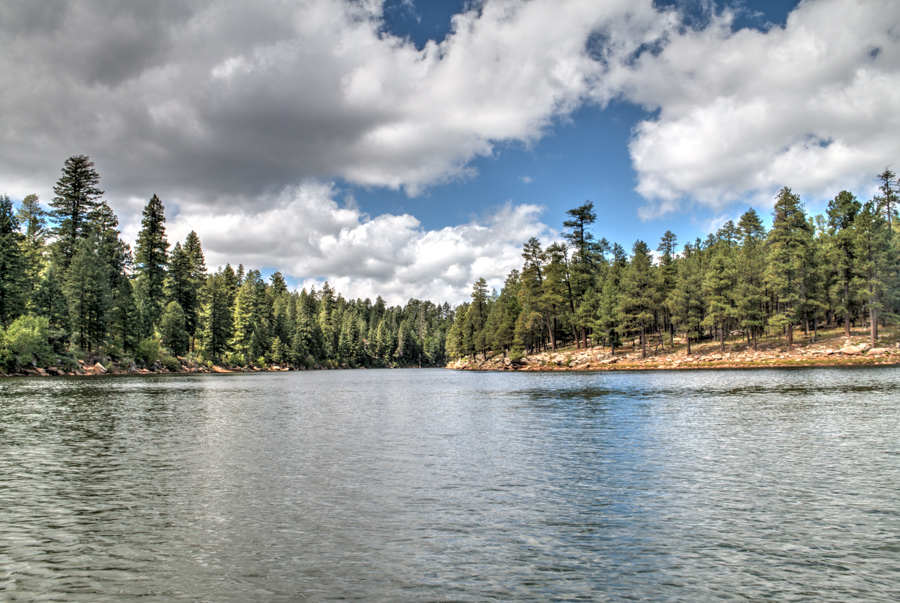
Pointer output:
835, 352
91, 371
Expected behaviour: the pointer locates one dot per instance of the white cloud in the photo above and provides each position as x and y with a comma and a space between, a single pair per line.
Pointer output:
228, 100
812, 105
308, 235
221, 108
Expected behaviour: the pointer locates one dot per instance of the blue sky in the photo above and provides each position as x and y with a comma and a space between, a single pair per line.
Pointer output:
582, 157
370, 144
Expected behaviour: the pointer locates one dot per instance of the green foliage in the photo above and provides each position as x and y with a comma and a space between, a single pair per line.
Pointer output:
26, 341
236, 359
13, 265
147, 351
172, 329
88, 293
170, 363
216, 316
151, 258
80, 279
74, 206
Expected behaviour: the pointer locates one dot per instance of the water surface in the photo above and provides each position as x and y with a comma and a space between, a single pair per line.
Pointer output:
432, 485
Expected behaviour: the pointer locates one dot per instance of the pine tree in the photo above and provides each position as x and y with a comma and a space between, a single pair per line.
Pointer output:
74, 206
586, 254
32, 218
478, 313
125, 320
608, 320
750, 291
888, 200
842, 213
151, 257
49, 300
13, 265
637, 299
244, 312
876, 264
788, 244
685, 301
114, 253
216, 317
172, 329
556, 296
88, 293
179, 284
531, 294
719, 283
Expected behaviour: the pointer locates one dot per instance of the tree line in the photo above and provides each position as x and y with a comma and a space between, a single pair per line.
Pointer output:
743, 280
70, 288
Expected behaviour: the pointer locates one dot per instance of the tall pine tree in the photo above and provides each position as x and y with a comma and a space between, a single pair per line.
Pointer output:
75, 206
151, 257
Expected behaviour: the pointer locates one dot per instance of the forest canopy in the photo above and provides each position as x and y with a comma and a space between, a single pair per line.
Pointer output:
744, 280
71, 288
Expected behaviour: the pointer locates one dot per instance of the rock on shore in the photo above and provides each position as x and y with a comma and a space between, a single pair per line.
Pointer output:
706, 356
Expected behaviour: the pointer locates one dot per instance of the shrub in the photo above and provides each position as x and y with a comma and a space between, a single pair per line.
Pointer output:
516, 354
28, 340
66, 363
236, 359
171, 363
147, 351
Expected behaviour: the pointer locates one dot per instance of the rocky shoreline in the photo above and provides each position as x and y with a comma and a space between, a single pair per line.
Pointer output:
850, 351
97, 368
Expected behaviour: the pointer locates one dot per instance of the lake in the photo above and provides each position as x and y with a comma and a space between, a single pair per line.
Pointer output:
435, 485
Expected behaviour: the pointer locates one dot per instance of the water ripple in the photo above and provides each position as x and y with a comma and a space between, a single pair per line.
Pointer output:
437, 485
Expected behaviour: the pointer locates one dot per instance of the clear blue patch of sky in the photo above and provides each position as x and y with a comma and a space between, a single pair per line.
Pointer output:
420, 20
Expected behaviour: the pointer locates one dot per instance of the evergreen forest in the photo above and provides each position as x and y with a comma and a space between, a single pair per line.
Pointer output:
743, 282
71, 289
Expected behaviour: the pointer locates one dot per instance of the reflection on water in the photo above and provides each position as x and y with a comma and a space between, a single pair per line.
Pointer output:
438, 485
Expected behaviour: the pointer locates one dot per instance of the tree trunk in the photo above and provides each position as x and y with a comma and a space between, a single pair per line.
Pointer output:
846, 311
643, 343
687, 337
550, 330
873, 330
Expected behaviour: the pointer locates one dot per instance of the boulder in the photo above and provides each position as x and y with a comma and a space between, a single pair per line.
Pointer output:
855, 350
877, 351
612, 360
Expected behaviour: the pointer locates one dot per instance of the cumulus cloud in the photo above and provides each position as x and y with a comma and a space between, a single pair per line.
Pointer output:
811, 105
306, 231
223, 100
223, 107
